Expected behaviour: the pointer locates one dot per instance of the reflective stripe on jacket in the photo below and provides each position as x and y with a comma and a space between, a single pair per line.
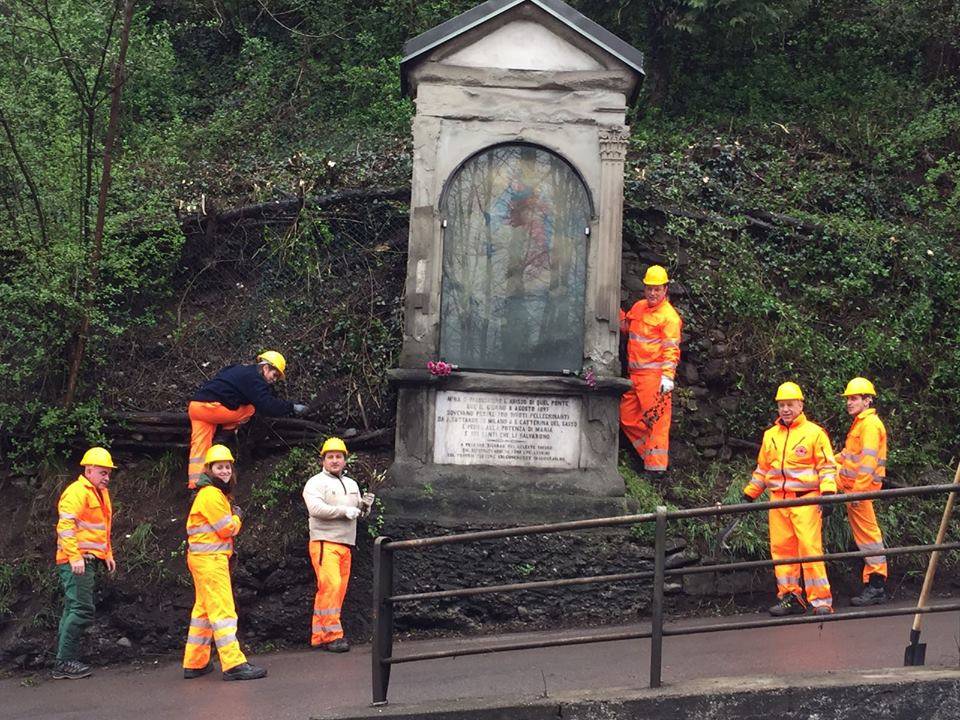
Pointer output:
211, 525
83, 526
863, 460
653, 338
796, 458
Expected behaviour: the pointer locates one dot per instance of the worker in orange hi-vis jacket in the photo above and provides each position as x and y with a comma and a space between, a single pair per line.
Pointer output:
211, 526
653, 330
863, 462
796, 461
84, 551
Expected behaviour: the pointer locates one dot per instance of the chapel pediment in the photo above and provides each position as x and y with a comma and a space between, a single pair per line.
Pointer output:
518, 36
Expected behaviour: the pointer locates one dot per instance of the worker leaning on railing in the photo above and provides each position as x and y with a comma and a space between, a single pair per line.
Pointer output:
796, 460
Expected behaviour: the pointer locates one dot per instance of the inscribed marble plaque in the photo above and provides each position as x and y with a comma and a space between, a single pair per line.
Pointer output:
502, 429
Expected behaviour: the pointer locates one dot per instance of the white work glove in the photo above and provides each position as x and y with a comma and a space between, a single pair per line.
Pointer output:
666, 385
299, 408
351, 513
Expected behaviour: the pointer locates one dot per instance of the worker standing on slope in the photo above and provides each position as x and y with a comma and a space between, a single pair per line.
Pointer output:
211, 527
653, 352
231, 398
333, 503
84, 549
863, 463
796, 461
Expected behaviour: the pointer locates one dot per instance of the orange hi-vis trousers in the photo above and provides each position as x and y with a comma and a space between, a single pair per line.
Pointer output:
652, 442
214, 617
204, 419
866, 532
796, 532
331, 564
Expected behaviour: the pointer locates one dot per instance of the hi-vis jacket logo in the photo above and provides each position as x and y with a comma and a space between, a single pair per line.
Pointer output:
800, 451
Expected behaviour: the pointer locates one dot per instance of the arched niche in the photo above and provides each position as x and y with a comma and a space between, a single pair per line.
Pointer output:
516, 227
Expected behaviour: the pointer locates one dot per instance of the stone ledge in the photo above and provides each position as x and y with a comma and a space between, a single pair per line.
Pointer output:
508, 383
458, 507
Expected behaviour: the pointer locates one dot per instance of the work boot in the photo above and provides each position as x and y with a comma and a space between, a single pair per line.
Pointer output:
245, 671
873, 593
791, 604
335, 646
822, 611
190, 673
71, 670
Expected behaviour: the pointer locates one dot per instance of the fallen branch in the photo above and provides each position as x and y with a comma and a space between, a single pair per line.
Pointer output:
743, 444
289, 209
163, 430
755, 218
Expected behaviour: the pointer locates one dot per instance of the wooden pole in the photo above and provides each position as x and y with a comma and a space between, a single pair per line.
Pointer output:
935, 555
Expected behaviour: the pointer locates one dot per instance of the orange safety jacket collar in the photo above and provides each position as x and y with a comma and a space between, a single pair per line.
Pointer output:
795, 458
85, 517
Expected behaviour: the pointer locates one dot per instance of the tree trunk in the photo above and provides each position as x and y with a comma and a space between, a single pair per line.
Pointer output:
96, 251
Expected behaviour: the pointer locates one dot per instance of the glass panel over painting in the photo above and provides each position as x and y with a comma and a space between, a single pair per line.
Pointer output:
514, 262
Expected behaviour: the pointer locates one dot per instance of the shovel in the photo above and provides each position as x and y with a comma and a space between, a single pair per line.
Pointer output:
916, 652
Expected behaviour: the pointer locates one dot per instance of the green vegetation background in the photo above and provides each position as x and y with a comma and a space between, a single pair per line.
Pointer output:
802, 160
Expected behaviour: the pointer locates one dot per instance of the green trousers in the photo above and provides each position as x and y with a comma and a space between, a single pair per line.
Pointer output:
77, 608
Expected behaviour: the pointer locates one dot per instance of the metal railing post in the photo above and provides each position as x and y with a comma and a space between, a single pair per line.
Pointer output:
382, 619
656, 619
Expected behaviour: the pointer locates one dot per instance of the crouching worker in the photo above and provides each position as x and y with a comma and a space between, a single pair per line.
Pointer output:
211, 527
231, 398
84, 550
796, 461
333, 503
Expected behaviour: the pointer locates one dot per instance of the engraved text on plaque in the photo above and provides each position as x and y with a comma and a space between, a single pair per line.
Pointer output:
501, 429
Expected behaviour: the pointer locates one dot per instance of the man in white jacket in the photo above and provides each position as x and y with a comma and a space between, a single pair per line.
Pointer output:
334, 503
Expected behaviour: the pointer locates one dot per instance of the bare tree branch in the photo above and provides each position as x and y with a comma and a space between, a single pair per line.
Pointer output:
34, 193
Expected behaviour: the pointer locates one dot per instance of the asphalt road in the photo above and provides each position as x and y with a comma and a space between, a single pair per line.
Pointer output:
304, 684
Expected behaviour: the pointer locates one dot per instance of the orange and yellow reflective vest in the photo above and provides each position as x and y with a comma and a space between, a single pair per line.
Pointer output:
794, 458
653, 338
211, 525
863, 460
83, 527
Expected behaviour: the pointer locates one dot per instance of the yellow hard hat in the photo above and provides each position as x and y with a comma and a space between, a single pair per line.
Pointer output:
859, 386
272, 357
656, 275
789, 391
97, 456
333, 444
218, 453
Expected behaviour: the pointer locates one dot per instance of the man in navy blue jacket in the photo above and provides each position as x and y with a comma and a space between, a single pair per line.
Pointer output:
231, 397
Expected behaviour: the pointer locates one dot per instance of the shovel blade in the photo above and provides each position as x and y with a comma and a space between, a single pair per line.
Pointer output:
915, 655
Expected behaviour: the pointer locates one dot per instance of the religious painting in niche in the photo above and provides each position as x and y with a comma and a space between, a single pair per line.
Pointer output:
514, 262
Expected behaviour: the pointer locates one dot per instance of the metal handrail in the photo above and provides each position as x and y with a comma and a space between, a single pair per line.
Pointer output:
672, 572
385, 599
710, 511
